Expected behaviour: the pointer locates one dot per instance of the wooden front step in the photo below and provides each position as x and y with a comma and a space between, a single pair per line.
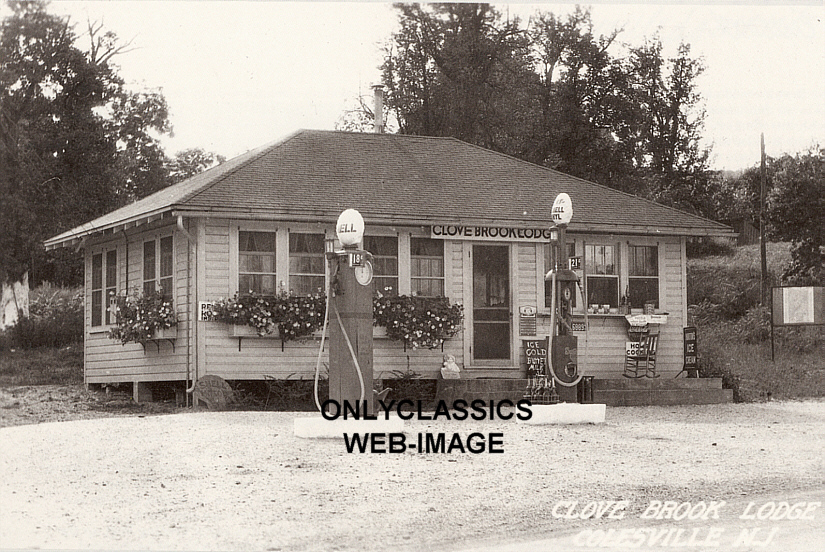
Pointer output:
657, 383
659, 391
612, 392
485, 389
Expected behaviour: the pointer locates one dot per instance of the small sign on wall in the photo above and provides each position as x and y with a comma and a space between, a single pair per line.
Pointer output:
632, 348
205, 311
527, 320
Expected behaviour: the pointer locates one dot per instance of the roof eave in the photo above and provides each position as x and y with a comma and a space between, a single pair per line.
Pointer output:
322, 216
72, 237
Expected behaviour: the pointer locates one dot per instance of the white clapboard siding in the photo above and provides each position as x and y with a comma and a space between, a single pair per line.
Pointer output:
258, 356
253, 357
601, 349
107, 360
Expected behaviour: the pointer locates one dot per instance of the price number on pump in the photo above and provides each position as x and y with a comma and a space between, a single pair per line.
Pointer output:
356, 258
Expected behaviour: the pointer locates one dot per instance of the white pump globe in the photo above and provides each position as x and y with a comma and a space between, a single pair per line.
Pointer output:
562, 209
350, 228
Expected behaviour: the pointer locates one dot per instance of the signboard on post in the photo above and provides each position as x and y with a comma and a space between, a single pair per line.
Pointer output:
691, 352
562, 211
797, 306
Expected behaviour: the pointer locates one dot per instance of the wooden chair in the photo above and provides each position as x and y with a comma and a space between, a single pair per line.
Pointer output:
643, 364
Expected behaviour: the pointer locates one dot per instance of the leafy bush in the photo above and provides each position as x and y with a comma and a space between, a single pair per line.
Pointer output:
42, 366
712, 367
710, 246
755, 326
725, 287
55, 319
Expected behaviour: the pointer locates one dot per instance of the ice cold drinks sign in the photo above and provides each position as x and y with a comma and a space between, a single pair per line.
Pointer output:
535, 353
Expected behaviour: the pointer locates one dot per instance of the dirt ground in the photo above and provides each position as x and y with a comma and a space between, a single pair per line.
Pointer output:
83, 471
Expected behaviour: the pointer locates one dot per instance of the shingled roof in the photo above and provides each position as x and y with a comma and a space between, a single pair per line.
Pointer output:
396, 179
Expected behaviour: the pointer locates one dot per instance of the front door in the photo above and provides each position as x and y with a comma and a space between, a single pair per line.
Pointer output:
491, 302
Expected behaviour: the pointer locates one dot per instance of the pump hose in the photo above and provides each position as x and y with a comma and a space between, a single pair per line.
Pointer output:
320, 353
351, 352
321, 348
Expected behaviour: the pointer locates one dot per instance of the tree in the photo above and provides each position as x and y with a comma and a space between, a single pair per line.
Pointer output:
553, 94
74, 142
454, 70
52, 144
583, 94
188, 163
668, 127
796, 211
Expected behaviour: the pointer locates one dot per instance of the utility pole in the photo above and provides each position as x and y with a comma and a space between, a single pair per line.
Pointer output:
762, 251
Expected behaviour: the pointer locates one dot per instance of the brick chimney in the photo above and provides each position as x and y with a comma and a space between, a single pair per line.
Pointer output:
378, 108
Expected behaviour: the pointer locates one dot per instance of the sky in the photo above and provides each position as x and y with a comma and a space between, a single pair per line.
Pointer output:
237, 75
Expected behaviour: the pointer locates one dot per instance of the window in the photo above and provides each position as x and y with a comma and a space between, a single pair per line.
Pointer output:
427, 267
385, 262
97, 289
111, 284
643, 277
158, 268
550, 255
306, 263
104, 286
256, 263
602, 275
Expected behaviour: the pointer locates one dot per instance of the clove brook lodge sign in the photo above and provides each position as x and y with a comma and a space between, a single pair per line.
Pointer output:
457, 232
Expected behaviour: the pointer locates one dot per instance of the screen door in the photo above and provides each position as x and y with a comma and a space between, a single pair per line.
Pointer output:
491, 302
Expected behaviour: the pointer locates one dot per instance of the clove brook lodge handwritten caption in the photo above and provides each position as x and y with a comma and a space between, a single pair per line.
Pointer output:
761, 523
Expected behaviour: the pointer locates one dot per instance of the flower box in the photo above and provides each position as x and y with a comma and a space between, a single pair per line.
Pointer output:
244, 330
166, 333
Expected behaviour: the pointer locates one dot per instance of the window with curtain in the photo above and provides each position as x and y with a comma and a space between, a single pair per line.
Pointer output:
427, 267
104, 287
256, 263
158, 266
306, 263
111, 285
643, 276
385, 262
601, 267
97, 289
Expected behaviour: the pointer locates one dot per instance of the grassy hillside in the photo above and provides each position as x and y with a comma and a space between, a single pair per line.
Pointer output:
734, 330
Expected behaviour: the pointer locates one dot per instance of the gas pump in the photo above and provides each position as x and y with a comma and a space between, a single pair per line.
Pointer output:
351, 319
563, 345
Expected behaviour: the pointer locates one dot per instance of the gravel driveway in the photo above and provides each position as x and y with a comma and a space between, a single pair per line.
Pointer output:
241, 480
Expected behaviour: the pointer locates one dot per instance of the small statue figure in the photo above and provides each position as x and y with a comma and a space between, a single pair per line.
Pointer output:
450, 369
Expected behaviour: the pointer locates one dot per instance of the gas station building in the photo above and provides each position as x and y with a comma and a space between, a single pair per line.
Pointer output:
443, 217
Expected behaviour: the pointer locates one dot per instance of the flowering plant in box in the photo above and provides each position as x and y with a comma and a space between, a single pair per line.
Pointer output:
293, 316
250, 310
299, 316
138, 316
418, 321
